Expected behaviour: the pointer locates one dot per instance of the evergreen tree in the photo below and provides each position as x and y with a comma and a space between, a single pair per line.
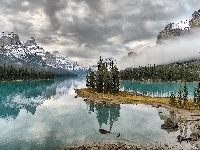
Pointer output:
100, 77
172, 100
88, 77
180, 98
185, 94
107, 80
115, 79
197, 95
92, 80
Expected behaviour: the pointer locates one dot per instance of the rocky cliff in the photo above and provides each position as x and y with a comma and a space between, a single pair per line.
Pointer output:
182, 28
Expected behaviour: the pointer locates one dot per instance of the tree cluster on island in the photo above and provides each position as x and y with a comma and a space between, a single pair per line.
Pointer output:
105, 79
9, 73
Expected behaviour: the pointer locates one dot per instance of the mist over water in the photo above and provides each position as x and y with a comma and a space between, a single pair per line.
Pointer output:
180, 48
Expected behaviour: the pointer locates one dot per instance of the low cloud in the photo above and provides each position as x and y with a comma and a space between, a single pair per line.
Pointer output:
177, 49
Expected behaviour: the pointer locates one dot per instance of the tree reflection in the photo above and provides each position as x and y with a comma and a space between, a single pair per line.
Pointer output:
106, 114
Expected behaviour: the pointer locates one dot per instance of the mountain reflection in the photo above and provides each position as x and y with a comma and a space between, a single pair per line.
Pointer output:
27, 95
22, 95
106, 114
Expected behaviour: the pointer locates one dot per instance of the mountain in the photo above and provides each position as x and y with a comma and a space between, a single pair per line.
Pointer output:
29, 54
180, 29
108, 61
174, 39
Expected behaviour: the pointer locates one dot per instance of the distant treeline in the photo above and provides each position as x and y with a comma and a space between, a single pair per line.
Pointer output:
172, 72
9, 73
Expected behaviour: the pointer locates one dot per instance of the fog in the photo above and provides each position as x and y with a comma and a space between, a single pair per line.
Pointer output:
181, 48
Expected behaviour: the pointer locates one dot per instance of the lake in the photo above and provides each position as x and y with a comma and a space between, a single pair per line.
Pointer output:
46, 115
160, 89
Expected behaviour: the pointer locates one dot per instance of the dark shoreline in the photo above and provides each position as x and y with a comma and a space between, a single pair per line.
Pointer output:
21, 80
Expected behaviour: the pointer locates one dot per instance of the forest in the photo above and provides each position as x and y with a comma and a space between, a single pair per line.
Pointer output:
9, 73
183, 71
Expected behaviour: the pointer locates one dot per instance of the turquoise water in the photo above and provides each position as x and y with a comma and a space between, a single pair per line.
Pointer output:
42, 115
163, 89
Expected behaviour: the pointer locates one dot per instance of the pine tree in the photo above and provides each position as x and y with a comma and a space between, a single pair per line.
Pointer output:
185, 94
107, 80
115, 79
88, 83
99, 77
90, 79
180, 98
197, 95
172, 100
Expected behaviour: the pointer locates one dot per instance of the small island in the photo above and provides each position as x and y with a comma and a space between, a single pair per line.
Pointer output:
103, 86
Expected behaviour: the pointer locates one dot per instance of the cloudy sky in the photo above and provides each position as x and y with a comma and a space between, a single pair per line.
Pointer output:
85, 29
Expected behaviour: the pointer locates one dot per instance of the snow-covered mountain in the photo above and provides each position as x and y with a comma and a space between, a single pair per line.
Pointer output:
28, 53
108, 61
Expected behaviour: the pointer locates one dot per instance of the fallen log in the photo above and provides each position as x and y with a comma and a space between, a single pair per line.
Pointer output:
181, 138
193, 120
195, 115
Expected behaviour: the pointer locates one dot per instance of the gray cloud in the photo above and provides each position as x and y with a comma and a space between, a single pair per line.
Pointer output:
92, 27
51, 7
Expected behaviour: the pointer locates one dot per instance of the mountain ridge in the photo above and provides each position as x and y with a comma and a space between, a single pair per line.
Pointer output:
29, 54
180, 29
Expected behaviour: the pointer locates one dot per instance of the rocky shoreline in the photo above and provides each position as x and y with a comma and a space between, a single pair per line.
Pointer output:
105, 146
120, 146
127, 146
191, 117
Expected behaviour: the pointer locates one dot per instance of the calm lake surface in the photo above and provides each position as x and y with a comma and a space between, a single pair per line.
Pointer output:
45, 115
162, 89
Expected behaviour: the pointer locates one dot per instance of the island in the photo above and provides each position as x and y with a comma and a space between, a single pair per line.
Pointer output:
103, 88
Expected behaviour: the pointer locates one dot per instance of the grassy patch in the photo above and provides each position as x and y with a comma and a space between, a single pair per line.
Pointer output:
128, 97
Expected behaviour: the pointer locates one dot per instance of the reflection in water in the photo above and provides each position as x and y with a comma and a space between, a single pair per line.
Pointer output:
19, 95
27, 95
106, 114
62, 120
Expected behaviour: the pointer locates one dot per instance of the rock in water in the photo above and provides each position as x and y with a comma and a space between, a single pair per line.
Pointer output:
103, 131
169, 124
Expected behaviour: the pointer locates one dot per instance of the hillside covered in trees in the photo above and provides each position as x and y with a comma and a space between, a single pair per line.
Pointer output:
179, 71
9, 73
